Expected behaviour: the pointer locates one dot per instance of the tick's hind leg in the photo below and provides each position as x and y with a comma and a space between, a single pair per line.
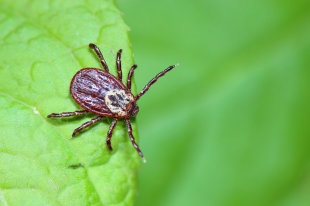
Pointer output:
109, 135
68, 114
132, 139
99, 54
86, 124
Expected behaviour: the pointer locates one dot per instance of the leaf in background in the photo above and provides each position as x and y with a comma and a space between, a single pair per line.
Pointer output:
230, 126
43, 44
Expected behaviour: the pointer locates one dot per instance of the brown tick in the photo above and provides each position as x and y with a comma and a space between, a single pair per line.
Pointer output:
101, 93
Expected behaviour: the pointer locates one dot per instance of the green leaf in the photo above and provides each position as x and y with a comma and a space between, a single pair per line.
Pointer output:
43, 44
234, 126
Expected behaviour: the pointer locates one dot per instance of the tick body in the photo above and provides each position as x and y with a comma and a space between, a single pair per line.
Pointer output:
99, 92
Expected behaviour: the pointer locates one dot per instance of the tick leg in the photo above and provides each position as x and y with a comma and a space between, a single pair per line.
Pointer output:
109, 135
68, 114
119, 64
86, 124
99, 54
147, 87
130, 74
132, 139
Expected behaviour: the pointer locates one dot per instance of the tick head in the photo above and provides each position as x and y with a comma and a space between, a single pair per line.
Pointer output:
134, 109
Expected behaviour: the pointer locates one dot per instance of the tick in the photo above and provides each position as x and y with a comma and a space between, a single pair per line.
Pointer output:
99, 92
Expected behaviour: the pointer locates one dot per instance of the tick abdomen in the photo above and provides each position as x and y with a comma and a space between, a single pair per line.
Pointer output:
89, 88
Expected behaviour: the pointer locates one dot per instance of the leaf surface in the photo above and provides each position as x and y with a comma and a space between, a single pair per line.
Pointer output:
43, 44
230, 125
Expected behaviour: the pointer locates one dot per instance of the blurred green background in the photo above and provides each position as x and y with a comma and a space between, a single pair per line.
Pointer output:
230, 125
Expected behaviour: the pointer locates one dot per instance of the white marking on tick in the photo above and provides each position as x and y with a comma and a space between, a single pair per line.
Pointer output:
117, 101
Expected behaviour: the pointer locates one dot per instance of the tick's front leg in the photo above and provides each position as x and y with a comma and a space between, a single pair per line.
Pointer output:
119, 64
132, 139
109, 135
